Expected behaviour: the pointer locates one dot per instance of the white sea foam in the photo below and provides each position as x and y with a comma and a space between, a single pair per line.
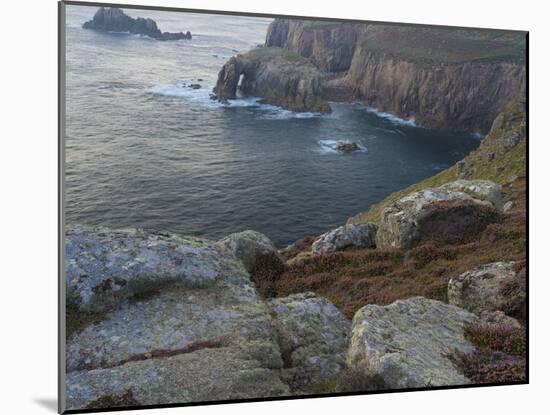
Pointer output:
202, 97
392, 118
329, 146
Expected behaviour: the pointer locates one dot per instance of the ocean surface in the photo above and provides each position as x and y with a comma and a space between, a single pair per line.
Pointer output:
144, 150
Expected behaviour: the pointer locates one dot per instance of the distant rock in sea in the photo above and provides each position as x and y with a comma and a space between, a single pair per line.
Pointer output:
115, 20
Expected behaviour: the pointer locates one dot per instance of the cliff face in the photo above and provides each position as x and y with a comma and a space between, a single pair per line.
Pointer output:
329, 46
443, 78
279, 77
464, 96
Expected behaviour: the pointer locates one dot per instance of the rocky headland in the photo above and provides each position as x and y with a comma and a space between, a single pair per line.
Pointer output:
113, 19
426, 288
443, 78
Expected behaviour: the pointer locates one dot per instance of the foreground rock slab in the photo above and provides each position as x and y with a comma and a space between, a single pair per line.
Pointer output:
443, 213
357, 236
408, 343
196, 330
104, 266
313, 337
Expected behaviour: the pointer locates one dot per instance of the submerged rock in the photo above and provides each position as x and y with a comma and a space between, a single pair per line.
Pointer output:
442, 213
313, 337
408, 343
480, 289
114, 19
248, 246
356, 236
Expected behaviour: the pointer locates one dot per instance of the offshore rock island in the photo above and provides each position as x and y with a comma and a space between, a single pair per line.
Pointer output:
114, 19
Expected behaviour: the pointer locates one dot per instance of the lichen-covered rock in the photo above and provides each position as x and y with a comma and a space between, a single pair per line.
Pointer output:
248, 246
480, 289
479, 189
313, 337
408, 343
357, 236
435, 213
104, 266
217, 373
201, 333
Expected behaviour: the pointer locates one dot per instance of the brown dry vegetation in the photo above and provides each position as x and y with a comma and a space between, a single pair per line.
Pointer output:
353, 278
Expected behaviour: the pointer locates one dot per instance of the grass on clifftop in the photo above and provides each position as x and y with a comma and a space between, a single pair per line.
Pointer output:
429, 45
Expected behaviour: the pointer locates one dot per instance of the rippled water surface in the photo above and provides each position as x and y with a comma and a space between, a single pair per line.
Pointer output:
143, 150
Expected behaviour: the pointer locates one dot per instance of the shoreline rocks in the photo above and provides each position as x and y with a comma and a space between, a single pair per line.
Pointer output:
114, 19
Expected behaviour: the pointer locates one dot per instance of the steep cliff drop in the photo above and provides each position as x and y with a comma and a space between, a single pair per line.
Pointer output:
458, 79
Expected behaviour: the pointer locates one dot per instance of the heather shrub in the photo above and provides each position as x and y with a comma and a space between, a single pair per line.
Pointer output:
265, 273
515, 292
498, 337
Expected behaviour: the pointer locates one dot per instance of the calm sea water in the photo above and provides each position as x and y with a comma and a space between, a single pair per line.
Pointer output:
144, 151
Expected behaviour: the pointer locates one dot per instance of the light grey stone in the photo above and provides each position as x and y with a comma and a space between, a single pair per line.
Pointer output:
478, 189
358, 236
479, 289
399, 223
408, 343
104, 266
313, 337
248, 246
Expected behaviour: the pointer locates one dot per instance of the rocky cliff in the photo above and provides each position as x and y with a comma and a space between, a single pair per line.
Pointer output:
115, 20
442, 79
458, 79
278, 76
329, 46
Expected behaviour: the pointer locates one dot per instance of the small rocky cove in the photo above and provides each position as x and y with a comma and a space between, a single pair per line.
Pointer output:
425, 288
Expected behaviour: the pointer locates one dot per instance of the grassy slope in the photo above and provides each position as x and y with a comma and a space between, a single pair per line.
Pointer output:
431, 45
488, 162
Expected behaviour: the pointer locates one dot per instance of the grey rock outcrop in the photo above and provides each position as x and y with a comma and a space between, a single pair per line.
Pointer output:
115, 20
104, 266
479, 189
187, 325
408, 343
248, 246
313, 337
479, 289
357, 236
450, 213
